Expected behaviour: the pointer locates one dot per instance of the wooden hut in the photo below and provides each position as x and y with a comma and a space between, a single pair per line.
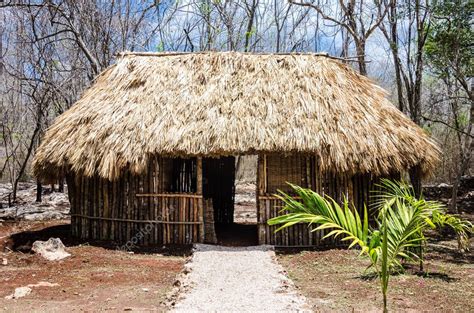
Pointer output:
151, 144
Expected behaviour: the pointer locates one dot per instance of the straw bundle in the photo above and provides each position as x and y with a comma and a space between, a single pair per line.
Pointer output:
229, 103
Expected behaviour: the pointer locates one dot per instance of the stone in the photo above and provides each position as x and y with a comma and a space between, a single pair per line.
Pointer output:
52, 250
20, 292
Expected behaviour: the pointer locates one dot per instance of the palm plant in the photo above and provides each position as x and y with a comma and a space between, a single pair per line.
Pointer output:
401, 219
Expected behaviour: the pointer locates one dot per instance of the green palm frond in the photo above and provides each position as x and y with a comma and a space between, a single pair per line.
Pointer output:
406, 218
403, 217
430, 214
402, 229
325, 213
462, 228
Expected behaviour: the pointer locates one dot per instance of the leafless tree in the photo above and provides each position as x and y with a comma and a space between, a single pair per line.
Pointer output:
358, 18
50, 51
58, 48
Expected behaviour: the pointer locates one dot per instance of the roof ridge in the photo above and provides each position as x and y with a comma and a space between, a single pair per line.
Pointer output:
176, 53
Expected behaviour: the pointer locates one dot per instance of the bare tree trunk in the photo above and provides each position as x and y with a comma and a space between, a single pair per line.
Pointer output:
61, 185
454, 196
421, 38
393, 41
251, 13
360, 49
207, 18
39, 191
465, 155
345, 43
415, 179
28, 154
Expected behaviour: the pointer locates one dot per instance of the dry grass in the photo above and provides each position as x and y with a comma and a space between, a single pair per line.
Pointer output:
228, 103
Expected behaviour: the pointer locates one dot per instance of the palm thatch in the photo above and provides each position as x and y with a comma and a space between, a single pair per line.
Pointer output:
228, 103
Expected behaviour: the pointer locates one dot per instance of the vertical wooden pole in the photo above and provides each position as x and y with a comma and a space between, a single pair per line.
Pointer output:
72, 199
136, 207
130, 195
145, 203
159, 201
78, 221
193, 214
117, 205
308, 173
261, 209
201, 204
94, 223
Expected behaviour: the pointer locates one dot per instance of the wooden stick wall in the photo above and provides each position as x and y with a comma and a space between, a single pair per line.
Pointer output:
139, 209
134, 209
273, 173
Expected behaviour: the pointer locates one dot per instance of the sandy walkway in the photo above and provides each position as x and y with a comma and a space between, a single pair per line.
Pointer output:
237, 279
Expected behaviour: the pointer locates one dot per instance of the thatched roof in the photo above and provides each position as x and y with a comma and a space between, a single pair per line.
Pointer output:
228, 103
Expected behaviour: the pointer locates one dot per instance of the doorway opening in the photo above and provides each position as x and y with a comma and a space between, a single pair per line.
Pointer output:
227, 182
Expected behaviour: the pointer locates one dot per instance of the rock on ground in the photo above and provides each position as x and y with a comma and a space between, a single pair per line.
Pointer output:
236, 279
20, 292
52, 250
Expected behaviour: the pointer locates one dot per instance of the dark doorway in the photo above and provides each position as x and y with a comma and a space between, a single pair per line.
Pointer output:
219, 186
237, 234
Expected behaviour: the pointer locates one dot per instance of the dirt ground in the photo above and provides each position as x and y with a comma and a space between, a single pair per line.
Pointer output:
334, 280
94, 278
97, 277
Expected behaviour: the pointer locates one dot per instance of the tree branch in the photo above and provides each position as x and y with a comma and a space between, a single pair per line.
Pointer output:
447, 125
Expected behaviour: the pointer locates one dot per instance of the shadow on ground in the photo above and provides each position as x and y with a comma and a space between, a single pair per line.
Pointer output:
372, 276
22, 242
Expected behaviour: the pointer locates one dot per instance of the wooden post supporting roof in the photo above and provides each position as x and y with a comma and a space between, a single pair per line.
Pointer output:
201, 201
260, 191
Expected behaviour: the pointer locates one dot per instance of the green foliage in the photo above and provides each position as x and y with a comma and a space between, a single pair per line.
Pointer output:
429, 214
312, 208
160, 47
450, 42
463, 119
385, 271
252, 32
401, 222
428, 128
205, 8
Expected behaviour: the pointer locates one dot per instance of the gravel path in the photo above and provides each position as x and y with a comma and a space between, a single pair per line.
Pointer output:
243, 279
